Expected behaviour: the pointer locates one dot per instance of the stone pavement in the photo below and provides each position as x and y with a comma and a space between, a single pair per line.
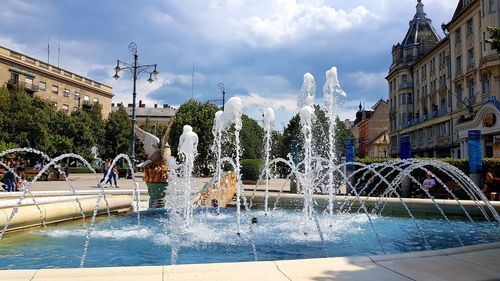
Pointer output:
88, 181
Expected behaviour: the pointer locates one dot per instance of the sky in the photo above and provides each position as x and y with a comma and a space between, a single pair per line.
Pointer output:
259, 49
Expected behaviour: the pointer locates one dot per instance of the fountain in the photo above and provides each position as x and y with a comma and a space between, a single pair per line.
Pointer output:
367, 219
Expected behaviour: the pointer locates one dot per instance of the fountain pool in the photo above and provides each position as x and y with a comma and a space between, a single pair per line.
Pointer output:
120, 241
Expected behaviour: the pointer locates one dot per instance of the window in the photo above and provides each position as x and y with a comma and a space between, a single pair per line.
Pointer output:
470, 57
77, 96
55, 104
491, 6
55, 89
66, 92
28, 81
86, 100
458, 89
470, 86
96, 100
42, 86
459, 65
14, 77
485, 83
458, 36
470, 27
65, 108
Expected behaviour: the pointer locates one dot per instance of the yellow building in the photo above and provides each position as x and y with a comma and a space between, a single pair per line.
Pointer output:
439, 89
66, 90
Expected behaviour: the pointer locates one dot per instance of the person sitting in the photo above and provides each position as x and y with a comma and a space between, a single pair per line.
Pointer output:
489, 187
37, 166
429, 182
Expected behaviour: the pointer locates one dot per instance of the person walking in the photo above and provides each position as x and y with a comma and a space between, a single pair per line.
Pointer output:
105, 167
112, 176
9, 179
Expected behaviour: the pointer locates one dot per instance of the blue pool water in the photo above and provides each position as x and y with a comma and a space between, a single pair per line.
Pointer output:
120, 241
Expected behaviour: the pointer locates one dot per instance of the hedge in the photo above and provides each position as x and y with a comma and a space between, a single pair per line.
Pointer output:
251, 168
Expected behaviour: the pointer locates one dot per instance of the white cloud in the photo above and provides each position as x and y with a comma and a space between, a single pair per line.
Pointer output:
296, 21
285, 103
368, 79
11, 44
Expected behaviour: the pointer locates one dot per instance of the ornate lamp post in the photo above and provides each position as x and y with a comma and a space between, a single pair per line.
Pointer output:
136, 69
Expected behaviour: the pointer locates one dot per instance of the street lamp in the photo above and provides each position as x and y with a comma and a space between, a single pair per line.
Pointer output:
222, 88
136, 69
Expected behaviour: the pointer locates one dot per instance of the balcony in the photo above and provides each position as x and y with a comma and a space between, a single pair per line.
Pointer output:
405, 85
441, 112
30, 88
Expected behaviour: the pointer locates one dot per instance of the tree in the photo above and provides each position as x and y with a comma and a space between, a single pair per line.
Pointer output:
342, 134
200, 116
23, 123
251, 138
320, 142
117, 133
494, 40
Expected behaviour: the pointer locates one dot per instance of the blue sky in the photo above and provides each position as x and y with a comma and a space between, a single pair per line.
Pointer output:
259, 49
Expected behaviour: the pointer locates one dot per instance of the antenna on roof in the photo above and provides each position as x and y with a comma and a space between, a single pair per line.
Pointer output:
48, 49
58, 52
192, 83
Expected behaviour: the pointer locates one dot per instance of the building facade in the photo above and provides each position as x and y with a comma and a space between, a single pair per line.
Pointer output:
66, 90
150, 116
370, 130
439, 89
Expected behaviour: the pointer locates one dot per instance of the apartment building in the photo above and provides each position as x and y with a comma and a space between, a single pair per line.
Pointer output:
440, 88
65, 89
370, 129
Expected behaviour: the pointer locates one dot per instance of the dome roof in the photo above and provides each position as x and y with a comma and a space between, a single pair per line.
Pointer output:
421, 30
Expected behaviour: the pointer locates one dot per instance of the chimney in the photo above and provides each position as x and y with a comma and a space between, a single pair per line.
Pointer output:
156, 105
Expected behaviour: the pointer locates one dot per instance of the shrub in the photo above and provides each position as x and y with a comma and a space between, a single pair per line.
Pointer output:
251, 168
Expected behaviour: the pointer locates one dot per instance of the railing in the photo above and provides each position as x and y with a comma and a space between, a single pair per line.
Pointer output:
441, 112
406, 85
27, 86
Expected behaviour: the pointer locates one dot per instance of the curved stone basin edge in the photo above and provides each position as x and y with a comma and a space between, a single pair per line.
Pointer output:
393, 206
63, 208
480, 262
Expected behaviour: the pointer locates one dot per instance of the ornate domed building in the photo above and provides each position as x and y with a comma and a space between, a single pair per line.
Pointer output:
439, 89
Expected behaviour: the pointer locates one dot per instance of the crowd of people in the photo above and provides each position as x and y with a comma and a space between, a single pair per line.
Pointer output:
14, 166
14, 173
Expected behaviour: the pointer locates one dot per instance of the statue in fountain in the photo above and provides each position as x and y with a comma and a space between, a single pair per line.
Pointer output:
155, 167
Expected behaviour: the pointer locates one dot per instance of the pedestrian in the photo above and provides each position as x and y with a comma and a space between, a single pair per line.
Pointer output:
9, 178
112, 177
105, 167
66, 168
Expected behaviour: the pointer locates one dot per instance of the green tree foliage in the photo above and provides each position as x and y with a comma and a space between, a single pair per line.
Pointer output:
117, 133
200, 116
27, 121
251, 138
22, 122
494, 37
320, 143
342, 134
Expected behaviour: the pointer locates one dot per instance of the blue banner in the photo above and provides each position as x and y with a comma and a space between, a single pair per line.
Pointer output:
405, 147
475, 152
